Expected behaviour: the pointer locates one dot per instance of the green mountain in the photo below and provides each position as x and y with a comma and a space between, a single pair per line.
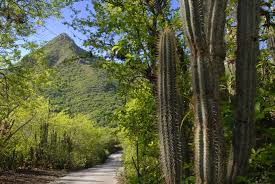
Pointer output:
62, 48
79, 84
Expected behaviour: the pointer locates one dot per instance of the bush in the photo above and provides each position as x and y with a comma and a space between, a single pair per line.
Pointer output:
56, 140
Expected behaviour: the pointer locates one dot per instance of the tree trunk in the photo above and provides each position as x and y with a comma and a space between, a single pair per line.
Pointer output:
247, 52
204, 28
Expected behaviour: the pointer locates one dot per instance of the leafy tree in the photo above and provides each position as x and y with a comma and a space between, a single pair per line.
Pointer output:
139, 136
126, 30
17, 93
19, 20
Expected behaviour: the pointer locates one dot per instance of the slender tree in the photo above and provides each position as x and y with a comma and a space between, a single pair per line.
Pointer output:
204, 23
247, 52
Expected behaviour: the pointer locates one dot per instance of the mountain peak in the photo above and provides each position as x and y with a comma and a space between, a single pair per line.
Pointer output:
61, 48
64, 35
62, 39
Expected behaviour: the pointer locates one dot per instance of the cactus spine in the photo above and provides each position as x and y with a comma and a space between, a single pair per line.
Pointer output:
169, 109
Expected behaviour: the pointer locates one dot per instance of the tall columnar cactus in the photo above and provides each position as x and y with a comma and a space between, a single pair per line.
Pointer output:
204, 22
247, 52
169, 109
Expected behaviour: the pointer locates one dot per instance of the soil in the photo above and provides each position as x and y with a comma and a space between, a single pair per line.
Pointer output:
34, 176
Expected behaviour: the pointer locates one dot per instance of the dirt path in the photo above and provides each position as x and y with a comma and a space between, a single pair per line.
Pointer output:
100, 174
33, 176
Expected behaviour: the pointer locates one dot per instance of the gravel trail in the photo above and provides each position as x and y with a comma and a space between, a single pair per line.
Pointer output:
100, 174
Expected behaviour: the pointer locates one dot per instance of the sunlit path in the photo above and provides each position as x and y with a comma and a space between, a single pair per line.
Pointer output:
100, 174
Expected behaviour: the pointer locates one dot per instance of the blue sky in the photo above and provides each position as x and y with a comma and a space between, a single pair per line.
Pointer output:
53, 27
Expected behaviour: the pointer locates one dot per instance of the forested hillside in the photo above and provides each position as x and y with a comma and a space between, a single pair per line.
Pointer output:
78, 82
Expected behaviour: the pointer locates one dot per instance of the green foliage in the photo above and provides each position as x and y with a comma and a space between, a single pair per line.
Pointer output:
80, 88
262, 157
15, 93
55, 141
20, 19
134, 23
138, 133
127, 30
261, 161
265, 92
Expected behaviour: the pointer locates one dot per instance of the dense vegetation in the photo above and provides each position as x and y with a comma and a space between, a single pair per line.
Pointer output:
42, 124
54, 140
189, 93
37, 131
